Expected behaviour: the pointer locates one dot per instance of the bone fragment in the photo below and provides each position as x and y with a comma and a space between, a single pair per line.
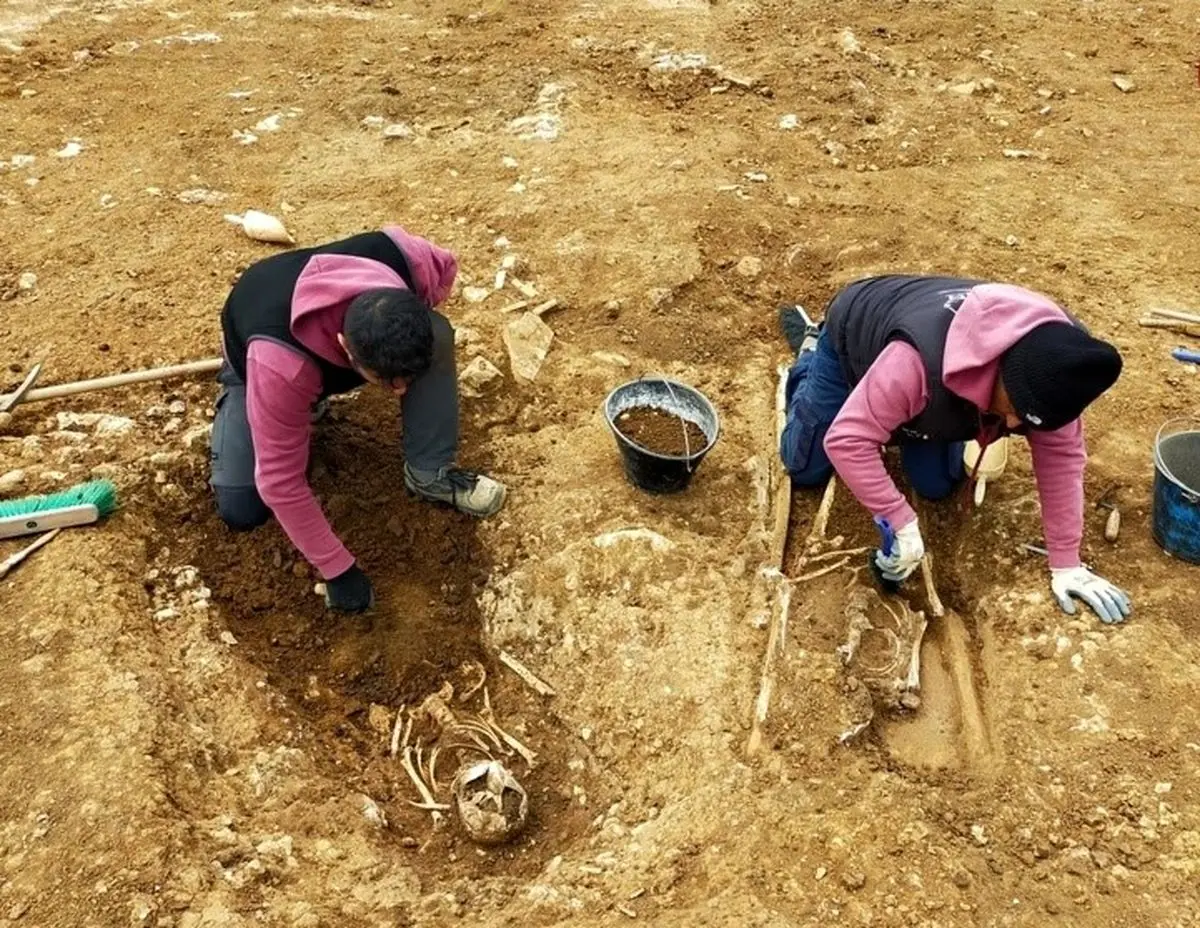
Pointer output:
531, 679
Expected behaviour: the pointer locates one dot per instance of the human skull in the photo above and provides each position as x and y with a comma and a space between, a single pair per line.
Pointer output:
490, 803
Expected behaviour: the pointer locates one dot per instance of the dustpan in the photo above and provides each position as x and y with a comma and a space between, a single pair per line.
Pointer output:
995, 459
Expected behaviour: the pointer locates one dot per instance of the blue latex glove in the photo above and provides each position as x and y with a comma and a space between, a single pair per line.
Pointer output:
1108, 601
897, 561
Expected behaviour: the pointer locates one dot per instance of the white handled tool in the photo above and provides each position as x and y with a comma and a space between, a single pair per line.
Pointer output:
67, 517
995, 459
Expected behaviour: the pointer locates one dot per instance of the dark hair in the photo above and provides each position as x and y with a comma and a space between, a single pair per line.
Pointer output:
390, 333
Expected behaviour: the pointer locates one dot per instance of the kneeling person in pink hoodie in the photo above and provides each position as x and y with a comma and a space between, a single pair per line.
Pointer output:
303, 325
927, 363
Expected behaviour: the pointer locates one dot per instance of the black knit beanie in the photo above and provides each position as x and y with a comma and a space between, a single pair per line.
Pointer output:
1054, 372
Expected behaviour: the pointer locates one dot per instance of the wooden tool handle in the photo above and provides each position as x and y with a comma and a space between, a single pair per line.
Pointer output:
1175, 314
17, 558
122, 380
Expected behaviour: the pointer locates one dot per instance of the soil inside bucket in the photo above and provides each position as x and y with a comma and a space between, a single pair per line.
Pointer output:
661, 432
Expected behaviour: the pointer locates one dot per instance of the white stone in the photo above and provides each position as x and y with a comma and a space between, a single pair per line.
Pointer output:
27, 281
750, 266
1124, 83
788, 122
11, 480
201, 195
100, 423
528, 342
278, 847
477, 375
397, 130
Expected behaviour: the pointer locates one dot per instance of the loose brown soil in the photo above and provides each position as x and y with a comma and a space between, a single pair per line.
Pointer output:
661, 432
189, 740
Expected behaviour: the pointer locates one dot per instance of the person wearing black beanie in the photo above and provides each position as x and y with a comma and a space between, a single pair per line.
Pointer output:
928, 363
1053, 373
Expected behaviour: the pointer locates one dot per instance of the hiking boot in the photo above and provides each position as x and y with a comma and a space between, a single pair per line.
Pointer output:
469, 492
799, 330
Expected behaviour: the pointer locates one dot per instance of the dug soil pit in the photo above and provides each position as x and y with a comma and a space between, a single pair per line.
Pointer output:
661, 432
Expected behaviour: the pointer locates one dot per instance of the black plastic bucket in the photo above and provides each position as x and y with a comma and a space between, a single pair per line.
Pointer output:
1176, 522
649, 470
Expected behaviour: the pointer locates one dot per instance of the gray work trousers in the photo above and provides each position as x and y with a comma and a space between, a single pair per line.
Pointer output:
429, 411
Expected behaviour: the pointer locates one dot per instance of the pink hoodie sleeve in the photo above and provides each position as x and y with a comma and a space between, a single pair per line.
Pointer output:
893, 391
433, 268
281, 387
1059, 459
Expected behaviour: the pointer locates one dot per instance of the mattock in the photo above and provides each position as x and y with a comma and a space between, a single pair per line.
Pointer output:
27, 394
11, 400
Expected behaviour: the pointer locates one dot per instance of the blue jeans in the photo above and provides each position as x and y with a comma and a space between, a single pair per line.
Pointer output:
816, 389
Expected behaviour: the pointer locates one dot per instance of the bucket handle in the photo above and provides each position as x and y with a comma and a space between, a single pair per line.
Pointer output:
687, 445
1189, 495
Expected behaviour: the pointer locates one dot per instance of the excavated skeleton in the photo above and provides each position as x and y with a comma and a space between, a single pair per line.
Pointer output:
882, 656
490, 803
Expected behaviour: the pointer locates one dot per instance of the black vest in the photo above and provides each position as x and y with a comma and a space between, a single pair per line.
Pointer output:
864, 317
260, 303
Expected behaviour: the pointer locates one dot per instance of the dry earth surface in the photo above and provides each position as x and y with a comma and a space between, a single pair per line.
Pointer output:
187, 740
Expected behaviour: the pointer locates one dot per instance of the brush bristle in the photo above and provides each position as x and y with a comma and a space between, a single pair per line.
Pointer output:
99, 493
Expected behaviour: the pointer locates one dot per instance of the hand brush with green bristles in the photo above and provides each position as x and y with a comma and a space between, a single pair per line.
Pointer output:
80, 505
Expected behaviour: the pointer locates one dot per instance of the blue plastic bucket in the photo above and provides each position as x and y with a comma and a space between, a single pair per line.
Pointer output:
646, 469
1177, 489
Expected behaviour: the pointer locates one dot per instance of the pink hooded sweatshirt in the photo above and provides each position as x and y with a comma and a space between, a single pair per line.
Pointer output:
895, 389
282, 385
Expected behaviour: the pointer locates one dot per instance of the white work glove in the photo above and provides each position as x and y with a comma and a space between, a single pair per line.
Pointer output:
1109, 602
907, 551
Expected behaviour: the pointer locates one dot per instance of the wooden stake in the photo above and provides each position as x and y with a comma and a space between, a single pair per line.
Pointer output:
782, 598
1191, 318
533, 680
782, 501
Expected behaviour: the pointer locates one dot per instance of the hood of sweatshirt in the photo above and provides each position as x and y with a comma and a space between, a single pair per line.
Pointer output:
991, 320
328, 283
